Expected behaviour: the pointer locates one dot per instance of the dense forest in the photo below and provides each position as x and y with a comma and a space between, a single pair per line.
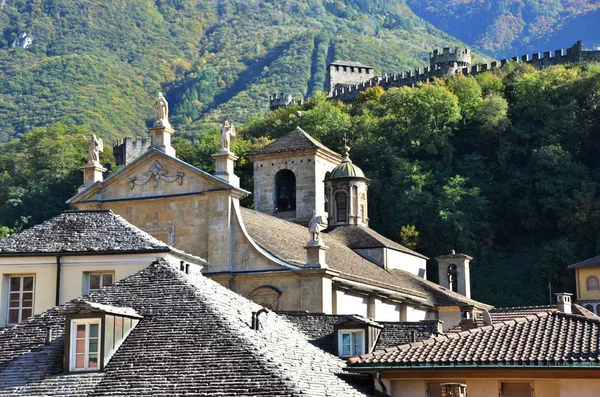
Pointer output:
515, 27
503, 166
100, 63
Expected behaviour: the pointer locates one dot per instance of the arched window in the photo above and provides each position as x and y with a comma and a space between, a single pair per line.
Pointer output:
590, 308
285, 191
592, 283
452, 284
341, 205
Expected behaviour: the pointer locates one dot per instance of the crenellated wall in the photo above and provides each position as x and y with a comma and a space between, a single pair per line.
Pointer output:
128, 149
280, 100
448, 63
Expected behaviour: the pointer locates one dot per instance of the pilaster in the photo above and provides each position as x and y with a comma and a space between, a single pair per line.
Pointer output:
224, 167
92, 173
161, 138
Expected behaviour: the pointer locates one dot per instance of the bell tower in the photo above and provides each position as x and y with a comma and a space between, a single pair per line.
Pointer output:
289, 176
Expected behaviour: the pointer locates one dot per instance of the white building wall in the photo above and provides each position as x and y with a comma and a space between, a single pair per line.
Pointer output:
410, 263
351, 304
414, 314
386, 311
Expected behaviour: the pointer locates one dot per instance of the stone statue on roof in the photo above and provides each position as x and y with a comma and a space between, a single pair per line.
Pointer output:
161, 106
316, 224
95, 147
227, 131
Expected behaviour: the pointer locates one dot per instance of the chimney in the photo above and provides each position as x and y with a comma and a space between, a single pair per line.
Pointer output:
454, 389
454, 272
563, 301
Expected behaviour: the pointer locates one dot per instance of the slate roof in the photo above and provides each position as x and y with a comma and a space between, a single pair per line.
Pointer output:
319, 329
92, 231
499, 314
298, 139
341, 258
540, 340
194, 339
591, 262
365, 237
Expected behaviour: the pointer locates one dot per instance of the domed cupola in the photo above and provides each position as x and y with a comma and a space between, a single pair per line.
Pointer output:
346, 192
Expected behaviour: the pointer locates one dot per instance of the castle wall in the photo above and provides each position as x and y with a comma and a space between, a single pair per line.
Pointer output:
455, 65
347, 75
128, 149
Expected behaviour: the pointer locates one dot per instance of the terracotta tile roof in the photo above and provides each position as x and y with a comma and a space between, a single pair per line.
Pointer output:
592, 262
365, 237
339, 257
194, 339
82, 231
543, 339
295, 140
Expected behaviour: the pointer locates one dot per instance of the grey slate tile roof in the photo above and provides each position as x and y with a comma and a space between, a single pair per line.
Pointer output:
339, 257
499, 314
319, 329
365, 237
540, 340
90, 231
194, 339
82, 231
298, 139
591, 262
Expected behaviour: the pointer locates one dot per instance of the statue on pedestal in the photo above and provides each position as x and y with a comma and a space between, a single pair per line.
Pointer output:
316, 224
95, 147
161, 106
227, 131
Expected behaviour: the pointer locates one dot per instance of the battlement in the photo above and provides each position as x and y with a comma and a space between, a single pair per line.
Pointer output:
129, 148
448, 63
280, 100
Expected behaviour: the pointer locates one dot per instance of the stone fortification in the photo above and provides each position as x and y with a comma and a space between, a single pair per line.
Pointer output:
128, 149
280, 100
448, 63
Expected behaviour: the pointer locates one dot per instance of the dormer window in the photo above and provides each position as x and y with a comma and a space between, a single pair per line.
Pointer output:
351, 342
94, 332
85, 344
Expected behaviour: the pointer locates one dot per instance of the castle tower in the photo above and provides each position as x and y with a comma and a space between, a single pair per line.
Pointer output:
346, 191
449, 62
454, 273
289, 176
347, 73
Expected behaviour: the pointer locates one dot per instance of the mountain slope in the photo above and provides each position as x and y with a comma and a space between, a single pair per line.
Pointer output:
514, 27
100, 63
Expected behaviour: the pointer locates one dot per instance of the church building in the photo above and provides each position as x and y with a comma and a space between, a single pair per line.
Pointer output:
268, 254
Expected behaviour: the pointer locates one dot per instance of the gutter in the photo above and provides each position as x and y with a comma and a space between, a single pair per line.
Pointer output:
520, 367
58, 271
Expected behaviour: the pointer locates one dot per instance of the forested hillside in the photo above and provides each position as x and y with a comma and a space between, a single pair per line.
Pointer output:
504, 167
515, 27
99, 63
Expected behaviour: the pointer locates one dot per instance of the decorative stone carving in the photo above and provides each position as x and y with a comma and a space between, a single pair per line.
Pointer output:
156, 173
161, 106
95, 147
244, 256
227, 131
315, 226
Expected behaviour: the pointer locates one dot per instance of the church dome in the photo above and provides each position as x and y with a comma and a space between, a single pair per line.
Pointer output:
346, 169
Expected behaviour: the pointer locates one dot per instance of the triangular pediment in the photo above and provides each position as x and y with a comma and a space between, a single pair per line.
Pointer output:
154, 174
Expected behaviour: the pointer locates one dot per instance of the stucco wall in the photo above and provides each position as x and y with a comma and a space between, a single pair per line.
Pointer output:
414, 314
491, 387
579, 388
582, 275
387, 311
410, 263
351, 304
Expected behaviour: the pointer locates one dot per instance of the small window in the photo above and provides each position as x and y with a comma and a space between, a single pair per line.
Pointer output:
592, 283
341, 207
85, 344
99, 280
590, 308
452, 273
20, 298
351, 342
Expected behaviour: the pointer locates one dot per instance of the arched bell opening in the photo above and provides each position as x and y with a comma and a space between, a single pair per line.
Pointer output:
285, 191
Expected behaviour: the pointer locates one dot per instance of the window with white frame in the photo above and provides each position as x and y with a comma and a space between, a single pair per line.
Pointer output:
85, 344
97, 280
351, 342
20, 298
